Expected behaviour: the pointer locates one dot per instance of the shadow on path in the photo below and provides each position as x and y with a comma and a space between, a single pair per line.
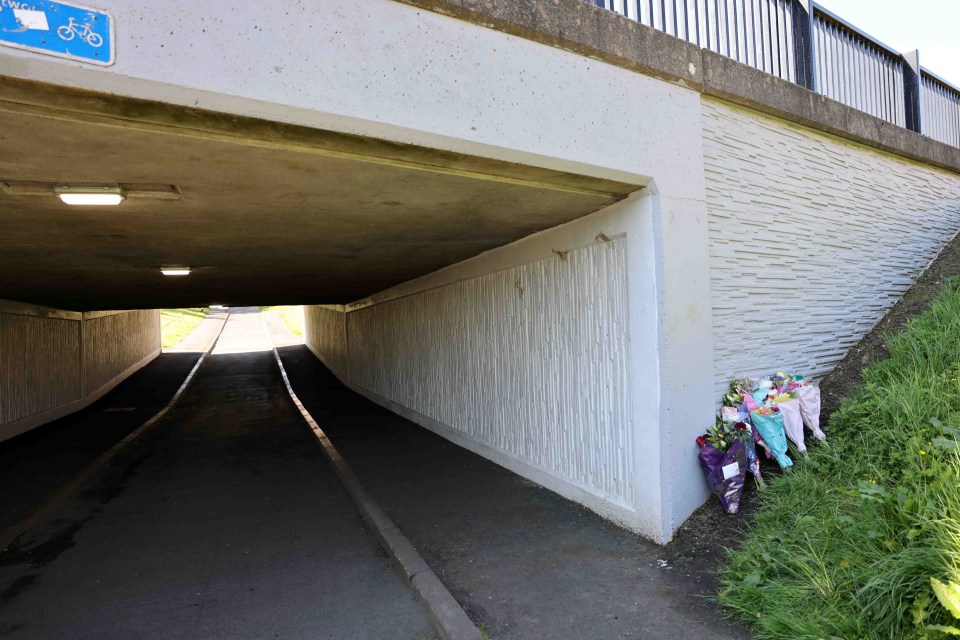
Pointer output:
523, 561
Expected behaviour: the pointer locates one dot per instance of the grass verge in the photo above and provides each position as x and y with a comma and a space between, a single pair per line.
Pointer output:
846, 546
175, 324
292, 316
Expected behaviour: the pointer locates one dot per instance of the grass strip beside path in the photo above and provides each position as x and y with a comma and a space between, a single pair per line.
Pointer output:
292, 316
176, 324
846, 546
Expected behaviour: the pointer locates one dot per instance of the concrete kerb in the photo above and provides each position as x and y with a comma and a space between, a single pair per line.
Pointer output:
11, 535
446, 613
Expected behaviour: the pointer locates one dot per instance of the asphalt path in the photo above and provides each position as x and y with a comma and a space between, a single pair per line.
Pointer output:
222, 521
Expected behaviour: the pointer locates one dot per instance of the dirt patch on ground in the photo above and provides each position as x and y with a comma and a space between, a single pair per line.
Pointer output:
699, 546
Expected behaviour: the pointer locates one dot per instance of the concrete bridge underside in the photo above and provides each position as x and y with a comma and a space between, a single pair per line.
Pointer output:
268, 213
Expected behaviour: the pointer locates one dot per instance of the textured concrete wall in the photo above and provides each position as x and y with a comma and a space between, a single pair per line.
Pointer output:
325, 330
528, 360
40, 365
527, 356
114, 343
54, 362
812, 239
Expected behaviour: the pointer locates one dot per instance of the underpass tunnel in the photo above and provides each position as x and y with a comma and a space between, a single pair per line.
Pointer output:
101, 420
114, 203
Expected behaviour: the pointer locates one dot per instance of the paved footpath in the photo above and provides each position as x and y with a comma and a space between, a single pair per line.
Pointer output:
522, 561
222, 521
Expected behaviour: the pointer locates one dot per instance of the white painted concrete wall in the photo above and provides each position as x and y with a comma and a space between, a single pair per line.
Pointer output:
812, 240
546, 364
53, 362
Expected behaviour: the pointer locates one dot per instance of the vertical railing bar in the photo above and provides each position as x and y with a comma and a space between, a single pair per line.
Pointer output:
844, 64
722, 40
784, 32
861, 80
725, 5
758, 33
716, 21
878, 90
852, 69
779, 41
876, 62
789, 43
828, 60
884, 82
736, 31
855, 87
773, 10
768, 32
817, 50
762, 49
888, 90
696, 19
825, 50
835, 62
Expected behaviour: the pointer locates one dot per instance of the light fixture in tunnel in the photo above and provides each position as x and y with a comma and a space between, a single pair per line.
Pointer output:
175, 271
90, 195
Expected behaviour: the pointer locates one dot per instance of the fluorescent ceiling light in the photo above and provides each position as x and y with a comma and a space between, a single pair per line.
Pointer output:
92, 198
175, 271
90, 195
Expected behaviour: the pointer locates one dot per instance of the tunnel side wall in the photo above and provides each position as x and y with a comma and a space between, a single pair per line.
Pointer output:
53, 362
529, 364
812, 240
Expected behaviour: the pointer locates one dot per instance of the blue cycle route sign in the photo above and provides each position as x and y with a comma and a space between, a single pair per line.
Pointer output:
57, 29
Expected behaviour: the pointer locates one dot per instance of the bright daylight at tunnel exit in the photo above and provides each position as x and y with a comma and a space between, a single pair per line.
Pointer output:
479, 320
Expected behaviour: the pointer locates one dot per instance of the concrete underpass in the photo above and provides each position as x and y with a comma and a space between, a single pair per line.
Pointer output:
533, 241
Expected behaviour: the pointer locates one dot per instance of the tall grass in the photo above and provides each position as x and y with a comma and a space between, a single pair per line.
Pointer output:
845, 546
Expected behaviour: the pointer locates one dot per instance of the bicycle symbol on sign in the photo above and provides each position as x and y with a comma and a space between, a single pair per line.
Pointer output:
83, 31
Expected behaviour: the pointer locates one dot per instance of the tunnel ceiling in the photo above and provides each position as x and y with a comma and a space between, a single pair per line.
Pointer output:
269, 213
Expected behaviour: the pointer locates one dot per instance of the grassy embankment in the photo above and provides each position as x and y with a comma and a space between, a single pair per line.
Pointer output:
846, 546
175, 324
292, 316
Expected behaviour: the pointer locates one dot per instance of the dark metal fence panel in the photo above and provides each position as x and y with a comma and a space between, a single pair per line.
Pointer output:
941, 109
856, 70
755, 32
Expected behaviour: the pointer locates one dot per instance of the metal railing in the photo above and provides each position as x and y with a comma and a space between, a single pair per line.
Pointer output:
802, 42
853, 68
941, 109
758, 33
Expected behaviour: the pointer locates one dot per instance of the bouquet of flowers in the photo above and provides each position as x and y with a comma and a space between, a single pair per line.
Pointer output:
759, 410
769, 423
726, 453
